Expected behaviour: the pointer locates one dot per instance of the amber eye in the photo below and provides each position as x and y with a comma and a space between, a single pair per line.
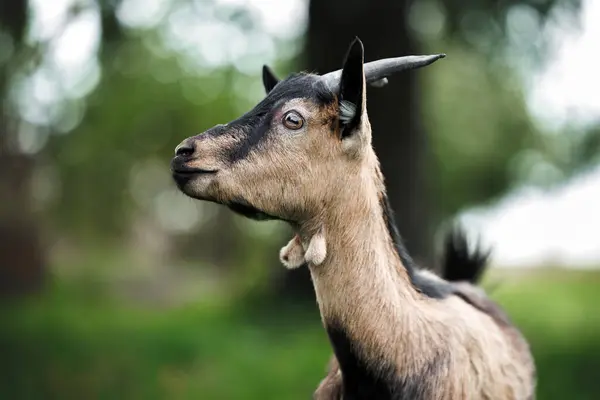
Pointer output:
292, 120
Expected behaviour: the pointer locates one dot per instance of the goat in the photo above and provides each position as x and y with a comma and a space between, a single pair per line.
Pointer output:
304, 155
461, 269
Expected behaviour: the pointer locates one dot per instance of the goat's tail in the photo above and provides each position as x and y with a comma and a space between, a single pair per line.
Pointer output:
459, 262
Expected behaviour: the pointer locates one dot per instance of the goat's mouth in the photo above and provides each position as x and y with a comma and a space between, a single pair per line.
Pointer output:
182, 175
192, 171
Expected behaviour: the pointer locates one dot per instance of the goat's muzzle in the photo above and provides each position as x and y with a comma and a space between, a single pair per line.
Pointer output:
181, 169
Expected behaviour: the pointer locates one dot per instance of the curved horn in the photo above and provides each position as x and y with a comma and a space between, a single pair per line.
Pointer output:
376, 72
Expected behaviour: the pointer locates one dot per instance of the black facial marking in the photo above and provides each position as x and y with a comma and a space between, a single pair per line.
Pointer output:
253, 132
378, 379
254, 126
424, 284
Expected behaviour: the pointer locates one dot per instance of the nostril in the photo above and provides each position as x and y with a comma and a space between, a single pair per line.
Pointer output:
184, 150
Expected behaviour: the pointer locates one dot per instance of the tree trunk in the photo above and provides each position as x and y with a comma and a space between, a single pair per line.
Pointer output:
22, 259
394, 111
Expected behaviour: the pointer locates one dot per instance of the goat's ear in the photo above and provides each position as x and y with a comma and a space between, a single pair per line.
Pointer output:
269, 79
351, 96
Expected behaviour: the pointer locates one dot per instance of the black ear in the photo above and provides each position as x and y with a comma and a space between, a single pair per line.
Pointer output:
269, 79
352, 83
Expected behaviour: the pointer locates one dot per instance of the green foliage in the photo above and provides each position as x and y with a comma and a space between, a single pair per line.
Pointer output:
478, 124
66, 345
558, 312
143, 108
151, 95
487, 24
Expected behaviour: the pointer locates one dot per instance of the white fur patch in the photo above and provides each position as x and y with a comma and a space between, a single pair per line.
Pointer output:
292, 254
347, 111
317, 249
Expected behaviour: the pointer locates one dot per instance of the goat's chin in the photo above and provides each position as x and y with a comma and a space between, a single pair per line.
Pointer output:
197, 186
205, 187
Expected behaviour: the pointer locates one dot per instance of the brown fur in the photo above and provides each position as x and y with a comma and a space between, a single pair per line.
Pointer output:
276, 166
331, 387
327, 187
487, 358
523, 372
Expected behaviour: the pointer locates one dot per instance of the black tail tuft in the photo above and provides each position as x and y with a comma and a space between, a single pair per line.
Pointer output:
459, 263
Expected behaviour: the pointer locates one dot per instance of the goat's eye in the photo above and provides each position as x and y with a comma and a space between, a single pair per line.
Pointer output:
293, 120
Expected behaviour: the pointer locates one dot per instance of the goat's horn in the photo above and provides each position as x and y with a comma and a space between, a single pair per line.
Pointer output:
376, 72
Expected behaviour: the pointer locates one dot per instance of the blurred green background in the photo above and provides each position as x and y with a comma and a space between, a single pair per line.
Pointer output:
113, 285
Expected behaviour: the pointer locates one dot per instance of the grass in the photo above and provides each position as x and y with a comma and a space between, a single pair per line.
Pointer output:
68, 344
559, 314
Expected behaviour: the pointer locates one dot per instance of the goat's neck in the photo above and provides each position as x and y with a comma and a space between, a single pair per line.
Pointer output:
361, 286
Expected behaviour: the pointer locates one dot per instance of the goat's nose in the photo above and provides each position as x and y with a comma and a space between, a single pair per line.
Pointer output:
185, 149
